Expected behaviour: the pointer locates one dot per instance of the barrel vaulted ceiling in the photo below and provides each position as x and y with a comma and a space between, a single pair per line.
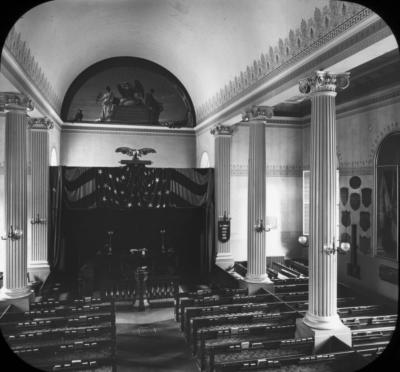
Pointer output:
206, 44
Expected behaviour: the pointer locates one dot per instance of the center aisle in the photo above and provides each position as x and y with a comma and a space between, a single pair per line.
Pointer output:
151, 341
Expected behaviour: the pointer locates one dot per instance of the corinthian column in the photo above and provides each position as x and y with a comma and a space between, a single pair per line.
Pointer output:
15, 224
256, 195
321, 318
39, 154
223, 138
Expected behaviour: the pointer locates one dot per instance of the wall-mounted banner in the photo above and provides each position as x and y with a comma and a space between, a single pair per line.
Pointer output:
224, 230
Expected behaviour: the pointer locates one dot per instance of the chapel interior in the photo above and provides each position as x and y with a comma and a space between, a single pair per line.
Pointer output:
199, 186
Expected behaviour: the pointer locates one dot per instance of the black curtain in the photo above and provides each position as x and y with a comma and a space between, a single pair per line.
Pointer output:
130, 188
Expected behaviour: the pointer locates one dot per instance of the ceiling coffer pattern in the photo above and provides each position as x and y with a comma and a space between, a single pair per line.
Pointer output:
22, 54
326, 24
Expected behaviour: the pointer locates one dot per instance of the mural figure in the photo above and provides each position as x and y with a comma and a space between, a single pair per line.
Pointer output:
108, 104
154, 106
78, 116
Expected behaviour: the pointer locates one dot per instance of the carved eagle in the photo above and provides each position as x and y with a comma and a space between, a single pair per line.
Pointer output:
135, 153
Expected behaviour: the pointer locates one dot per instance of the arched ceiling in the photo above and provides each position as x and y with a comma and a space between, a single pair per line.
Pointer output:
203, 43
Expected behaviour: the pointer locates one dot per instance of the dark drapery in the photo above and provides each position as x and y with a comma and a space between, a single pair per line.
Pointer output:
126, 188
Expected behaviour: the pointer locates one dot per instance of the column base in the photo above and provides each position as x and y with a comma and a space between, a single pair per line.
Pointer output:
224, 260
38, 270
251, 278
20, 297
322, 335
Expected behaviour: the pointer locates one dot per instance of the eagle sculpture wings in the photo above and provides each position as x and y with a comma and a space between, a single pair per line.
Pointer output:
135, 153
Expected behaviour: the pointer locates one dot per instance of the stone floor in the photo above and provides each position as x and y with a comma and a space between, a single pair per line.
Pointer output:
151, 341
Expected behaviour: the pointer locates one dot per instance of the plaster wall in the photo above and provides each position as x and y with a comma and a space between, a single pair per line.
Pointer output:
359, 133
91, 148
283, 190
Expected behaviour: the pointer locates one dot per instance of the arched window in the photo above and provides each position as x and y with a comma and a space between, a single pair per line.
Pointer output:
53, 157
204, 160
387, 197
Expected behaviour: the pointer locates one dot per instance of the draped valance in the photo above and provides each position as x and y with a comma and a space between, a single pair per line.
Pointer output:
132, 187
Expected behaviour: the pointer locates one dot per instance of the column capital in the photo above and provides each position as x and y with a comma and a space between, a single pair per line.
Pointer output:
258, 113
222, 130
40, 123
15, 101
324, 81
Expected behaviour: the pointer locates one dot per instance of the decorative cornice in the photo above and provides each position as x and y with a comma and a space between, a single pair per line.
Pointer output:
326, 25
126, 129
324, 81
23, 55
258, 113
40, 123
14, 101
222, 130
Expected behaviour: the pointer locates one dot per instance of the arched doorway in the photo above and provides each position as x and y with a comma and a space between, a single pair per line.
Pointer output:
387, 197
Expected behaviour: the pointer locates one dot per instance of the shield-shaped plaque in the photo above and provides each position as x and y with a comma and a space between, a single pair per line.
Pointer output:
346, 220
366, 196
365, 244
365, 220
344, 195
355, 201
224, 230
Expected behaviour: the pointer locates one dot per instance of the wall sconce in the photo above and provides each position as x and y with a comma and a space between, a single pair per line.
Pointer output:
260, 226
303, 240
13, 234
38, 220
343, 248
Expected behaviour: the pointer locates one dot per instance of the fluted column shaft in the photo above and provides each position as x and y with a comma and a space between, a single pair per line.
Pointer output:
37, 255
223, 140
256, 255
323, 241
15, 274
323, 165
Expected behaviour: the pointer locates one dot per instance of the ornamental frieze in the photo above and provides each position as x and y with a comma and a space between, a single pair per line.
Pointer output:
327, 24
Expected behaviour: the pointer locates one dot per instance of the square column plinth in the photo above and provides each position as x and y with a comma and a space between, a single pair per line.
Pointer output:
321, 336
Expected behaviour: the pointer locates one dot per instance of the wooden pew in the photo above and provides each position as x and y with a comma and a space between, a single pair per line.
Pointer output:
198, 320
231, 323
224, 337
206, 294
290, 273
298, 266
288, 288
207, 305
321, 362
259, 348
224, 300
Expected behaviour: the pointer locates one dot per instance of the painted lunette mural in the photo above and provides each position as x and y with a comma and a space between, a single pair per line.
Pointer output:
128, 90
